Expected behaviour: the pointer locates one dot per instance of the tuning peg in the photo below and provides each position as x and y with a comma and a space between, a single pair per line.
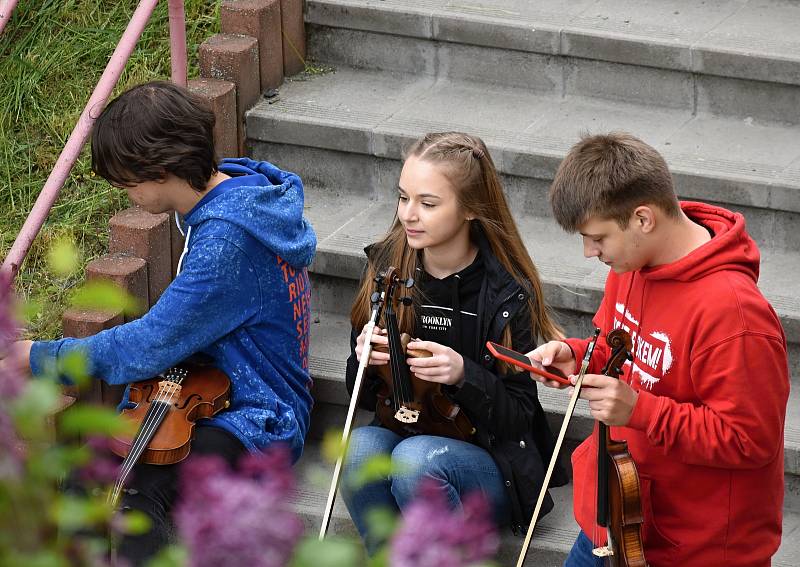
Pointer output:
406, 301
409, 282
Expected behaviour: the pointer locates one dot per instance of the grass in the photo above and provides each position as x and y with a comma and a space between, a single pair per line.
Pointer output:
52, 54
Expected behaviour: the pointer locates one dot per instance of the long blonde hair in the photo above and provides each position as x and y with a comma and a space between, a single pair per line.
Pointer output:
466, 163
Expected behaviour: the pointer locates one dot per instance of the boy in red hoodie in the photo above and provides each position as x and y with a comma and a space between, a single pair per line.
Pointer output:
703, 401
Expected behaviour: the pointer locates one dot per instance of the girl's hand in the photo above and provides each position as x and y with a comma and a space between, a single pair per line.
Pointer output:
446, 366
378, 338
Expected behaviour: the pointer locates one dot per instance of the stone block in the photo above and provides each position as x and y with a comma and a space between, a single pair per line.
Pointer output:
294, 37
234, 58
260, 19
221, 97
138, 233
128, 272
80, 323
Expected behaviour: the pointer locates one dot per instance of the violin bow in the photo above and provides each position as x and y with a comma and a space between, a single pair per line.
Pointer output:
378, 299
557, 449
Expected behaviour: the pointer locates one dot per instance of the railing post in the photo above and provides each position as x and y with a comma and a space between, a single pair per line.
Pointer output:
177, 42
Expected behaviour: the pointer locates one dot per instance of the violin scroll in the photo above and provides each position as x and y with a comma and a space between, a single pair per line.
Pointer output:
621, 344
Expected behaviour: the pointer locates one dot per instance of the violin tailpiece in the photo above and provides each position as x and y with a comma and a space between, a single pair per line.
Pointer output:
406, 415
604, 551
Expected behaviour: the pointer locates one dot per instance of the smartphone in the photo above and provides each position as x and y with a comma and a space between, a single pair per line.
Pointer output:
521, 361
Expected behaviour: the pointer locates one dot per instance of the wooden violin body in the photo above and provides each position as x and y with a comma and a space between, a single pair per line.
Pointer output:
619, 503
427, 410
625, 508
202, 392
406, 404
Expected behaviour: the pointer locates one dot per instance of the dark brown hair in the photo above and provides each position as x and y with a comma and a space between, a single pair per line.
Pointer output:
151, 130
609, 176
466, 163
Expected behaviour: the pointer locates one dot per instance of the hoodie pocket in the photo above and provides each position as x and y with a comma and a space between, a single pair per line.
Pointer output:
657, 546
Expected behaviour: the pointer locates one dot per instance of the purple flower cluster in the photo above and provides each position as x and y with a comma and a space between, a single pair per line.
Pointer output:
103, 466
433, 535
11, 385
241, 517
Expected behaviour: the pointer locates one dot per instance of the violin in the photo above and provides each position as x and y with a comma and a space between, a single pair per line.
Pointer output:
164, 416
408, 405
619, 505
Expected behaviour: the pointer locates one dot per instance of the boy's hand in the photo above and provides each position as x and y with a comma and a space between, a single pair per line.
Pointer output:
446, 366
378, 338
17, 358
553, 353
610, 400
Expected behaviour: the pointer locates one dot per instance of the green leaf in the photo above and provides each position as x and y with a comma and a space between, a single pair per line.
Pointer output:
171, 556
332, 447
34, 406
380, 559
56, 461
378, 467
75, 366
382, 523
101, 295
334, 552
134, 522
41, 558
85, 419
63, 257
73, 513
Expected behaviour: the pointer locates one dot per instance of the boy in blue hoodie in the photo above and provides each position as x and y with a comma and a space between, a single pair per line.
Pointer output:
241, 296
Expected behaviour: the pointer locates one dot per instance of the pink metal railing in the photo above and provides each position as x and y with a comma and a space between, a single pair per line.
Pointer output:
6, 9
79, 135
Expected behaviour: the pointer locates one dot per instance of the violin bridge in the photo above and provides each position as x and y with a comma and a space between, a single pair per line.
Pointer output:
166, 387
604, 551
406, 415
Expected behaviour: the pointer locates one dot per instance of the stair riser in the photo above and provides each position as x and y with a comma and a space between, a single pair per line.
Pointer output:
328, 418
333, 294
371, 178
559, 33
557, 75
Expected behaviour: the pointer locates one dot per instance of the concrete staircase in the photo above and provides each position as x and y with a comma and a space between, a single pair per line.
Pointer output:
714, 86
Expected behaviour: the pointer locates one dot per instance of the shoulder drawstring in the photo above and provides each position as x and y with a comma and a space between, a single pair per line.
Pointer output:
185, 248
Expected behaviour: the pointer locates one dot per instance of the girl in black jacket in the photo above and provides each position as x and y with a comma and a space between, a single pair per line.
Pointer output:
475, 281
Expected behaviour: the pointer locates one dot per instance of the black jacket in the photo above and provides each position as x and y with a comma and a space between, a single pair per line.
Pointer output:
505, 410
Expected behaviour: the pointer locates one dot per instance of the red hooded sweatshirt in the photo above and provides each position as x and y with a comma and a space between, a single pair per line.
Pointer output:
710, 366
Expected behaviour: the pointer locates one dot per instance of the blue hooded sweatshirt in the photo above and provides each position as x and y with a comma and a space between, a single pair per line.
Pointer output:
242, 297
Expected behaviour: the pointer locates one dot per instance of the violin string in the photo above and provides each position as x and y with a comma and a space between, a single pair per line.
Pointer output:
152, 420
153, 417
399, 361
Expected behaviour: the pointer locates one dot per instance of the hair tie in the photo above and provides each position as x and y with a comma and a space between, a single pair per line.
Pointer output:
477, 153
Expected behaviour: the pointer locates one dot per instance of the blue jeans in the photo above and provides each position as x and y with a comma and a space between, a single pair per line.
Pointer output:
581, 554
459, 467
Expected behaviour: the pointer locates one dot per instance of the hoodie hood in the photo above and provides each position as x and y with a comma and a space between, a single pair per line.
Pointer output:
730, 247
264, 201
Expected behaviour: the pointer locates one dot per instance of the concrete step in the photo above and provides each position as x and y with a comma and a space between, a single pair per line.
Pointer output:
348, 221
735, 58
357, 114
549, 548
550, 544
330, 347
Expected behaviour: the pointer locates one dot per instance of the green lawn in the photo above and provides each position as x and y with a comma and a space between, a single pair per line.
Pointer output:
51, 55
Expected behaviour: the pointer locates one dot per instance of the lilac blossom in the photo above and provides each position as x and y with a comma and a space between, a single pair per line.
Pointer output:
11, 385
103, 465
433, 535
239, 517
